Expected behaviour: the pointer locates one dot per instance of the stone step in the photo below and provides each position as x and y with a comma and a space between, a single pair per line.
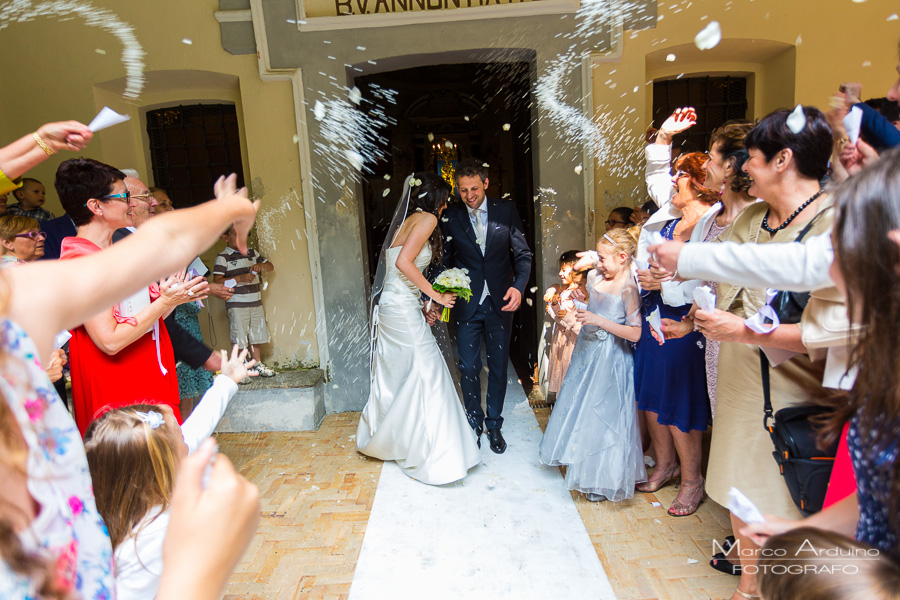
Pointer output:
289, 401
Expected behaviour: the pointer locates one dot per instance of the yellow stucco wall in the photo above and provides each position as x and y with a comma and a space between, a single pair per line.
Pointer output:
792, 50
56, 70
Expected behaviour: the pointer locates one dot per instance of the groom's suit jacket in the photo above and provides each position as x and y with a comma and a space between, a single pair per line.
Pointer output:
506, 261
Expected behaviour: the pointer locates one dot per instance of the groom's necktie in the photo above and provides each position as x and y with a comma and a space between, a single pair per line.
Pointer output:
479, 229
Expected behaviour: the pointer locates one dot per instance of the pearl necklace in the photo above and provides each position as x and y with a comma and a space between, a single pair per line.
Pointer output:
765, 221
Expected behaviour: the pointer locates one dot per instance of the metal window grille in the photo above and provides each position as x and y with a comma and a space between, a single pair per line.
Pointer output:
717, 100
191, 146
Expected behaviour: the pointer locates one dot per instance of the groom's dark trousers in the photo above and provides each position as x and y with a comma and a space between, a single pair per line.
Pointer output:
505, 263
496, 329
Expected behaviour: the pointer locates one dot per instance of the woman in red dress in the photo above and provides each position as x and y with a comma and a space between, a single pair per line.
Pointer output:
123, 355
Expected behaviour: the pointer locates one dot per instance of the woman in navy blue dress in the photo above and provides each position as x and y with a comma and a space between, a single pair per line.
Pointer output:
670, 379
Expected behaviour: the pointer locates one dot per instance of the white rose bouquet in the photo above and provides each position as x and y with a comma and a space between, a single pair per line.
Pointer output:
454, 281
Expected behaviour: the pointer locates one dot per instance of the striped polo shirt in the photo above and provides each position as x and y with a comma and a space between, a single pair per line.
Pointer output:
230, 263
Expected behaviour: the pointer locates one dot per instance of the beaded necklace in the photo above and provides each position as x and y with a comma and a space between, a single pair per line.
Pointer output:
765, 221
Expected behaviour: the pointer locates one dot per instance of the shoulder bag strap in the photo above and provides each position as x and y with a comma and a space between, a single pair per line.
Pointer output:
767, 392
763, 360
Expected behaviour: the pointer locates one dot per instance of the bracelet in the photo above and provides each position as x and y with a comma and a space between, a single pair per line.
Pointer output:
43, 145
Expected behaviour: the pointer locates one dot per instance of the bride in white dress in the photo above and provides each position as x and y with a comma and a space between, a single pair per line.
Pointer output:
414, 415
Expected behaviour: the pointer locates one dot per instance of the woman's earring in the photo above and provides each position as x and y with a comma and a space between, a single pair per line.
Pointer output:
722, 189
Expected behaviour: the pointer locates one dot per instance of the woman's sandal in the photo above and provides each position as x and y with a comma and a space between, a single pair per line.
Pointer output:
686, 510
720, 563
675, 475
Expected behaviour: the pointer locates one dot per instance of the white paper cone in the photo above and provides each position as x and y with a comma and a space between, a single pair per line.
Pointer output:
742, 507
852, 123
796, 121
60, 339
705, 298
655, 321
107, 118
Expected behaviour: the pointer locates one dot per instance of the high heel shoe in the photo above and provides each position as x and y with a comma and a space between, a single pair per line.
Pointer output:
642, 487
682, 509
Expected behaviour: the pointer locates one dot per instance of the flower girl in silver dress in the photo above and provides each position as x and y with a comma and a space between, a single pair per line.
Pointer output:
593, 429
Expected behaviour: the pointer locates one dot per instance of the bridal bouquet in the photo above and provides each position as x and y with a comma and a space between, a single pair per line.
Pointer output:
454, 281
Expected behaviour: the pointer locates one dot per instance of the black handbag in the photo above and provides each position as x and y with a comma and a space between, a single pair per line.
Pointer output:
805, 468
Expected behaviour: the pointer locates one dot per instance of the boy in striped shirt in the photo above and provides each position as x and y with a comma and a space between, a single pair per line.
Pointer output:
246, 318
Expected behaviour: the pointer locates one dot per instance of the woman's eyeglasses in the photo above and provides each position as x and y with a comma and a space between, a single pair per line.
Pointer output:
34, 235
611, 222
123, 197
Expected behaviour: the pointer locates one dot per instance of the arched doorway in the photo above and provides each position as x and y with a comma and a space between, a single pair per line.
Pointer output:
484, 111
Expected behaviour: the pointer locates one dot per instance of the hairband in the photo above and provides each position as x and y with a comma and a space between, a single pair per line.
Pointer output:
151, 418
613, 242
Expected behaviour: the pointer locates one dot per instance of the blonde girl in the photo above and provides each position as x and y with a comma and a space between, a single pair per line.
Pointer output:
593, 429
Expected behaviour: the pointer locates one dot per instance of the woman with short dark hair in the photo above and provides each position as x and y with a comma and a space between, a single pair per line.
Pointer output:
785, 168
124, 355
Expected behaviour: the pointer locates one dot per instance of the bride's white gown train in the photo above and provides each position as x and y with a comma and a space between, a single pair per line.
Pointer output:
414, 415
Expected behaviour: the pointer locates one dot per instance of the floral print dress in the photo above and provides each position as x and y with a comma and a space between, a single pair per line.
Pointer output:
68, 530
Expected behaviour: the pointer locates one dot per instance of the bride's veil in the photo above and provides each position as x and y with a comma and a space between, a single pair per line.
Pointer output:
400, 214
439, 329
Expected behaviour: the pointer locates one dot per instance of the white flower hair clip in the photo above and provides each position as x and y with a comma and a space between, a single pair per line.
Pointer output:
151, 418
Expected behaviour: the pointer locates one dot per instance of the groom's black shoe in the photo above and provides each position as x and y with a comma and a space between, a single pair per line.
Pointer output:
478, 432
498, 444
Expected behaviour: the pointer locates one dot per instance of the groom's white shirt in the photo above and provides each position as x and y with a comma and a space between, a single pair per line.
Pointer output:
484, 224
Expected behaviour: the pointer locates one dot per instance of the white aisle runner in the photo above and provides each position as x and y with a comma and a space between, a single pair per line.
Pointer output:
508, 530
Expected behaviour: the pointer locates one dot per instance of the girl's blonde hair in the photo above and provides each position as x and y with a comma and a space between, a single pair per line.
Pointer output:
132, 467
618, 240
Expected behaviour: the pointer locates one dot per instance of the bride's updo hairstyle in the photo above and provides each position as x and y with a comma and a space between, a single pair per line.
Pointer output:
430, 196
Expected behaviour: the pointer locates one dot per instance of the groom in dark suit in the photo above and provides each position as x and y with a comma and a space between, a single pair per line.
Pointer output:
485, 236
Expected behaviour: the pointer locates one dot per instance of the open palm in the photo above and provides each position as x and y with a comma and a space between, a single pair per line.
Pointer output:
680, 120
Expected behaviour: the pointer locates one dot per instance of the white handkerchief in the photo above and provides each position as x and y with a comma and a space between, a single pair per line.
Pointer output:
579, 305
852, 123
777, 356
743, 508
230, 283
766, 320
643, 265
107, 117
656, 238
655, 321
60, 339
705, 298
